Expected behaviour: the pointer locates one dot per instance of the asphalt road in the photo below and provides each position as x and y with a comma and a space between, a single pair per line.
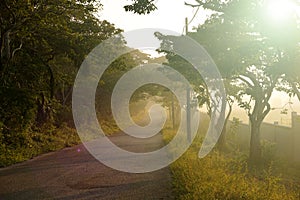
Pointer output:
73, 173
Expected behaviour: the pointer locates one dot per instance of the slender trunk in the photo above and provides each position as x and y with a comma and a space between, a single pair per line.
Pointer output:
222, 139
51, 84
41, 116
188, 114
255, 146
67, 96
173, 113
1, 53
5, 51
1, 72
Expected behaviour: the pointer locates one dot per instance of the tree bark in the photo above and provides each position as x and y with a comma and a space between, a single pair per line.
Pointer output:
173, 113
222, 139
52, 81
5, 51
255, 146
41, 115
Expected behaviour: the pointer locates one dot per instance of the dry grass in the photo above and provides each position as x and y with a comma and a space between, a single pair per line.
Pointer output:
223, 176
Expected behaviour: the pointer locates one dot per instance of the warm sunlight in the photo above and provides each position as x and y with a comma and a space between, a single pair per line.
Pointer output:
149, 99
282, 9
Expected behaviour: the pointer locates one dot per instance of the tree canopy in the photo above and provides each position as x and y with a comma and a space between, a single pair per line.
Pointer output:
253, 51
43, 44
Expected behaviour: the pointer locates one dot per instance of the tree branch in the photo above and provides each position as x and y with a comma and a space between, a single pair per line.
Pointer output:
17, 49
270, 90
295, 89
246, 81
67, 96
208, 6
264, 114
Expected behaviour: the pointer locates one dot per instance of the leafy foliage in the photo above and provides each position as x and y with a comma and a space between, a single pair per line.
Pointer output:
141, 6
248, 53
43, 43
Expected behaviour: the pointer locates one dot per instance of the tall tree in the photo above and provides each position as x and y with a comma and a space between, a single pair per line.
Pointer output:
244, 54
42, 45
239, 39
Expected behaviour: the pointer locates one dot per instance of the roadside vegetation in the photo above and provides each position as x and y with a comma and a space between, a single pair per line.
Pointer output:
48, 137
35, 142
43, 44
227, 175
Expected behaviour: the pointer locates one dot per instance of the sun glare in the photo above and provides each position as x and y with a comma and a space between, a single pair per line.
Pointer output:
282, 9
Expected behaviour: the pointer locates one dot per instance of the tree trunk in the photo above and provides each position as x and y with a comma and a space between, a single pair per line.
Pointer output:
51, 84
5, 51
255, 147
41, 116
173, 113
222, 139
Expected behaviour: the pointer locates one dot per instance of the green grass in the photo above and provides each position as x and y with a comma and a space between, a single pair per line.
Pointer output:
224, 176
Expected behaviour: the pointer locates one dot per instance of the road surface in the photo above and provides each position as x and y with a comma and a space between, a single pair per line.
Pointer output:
73, 173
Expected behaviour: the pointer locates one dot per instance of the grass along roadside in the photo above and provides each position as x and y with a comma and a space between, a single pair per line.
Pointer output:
223, 176
48, 138
36, 142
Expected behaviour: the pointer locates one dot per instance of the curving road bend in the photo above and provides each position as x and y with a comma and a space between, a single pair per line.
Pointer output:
73, 173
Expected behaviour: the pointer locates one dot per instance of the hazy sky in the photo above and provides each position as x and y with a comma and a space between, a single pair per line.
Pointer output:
167, 17
279, 100
173, 18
